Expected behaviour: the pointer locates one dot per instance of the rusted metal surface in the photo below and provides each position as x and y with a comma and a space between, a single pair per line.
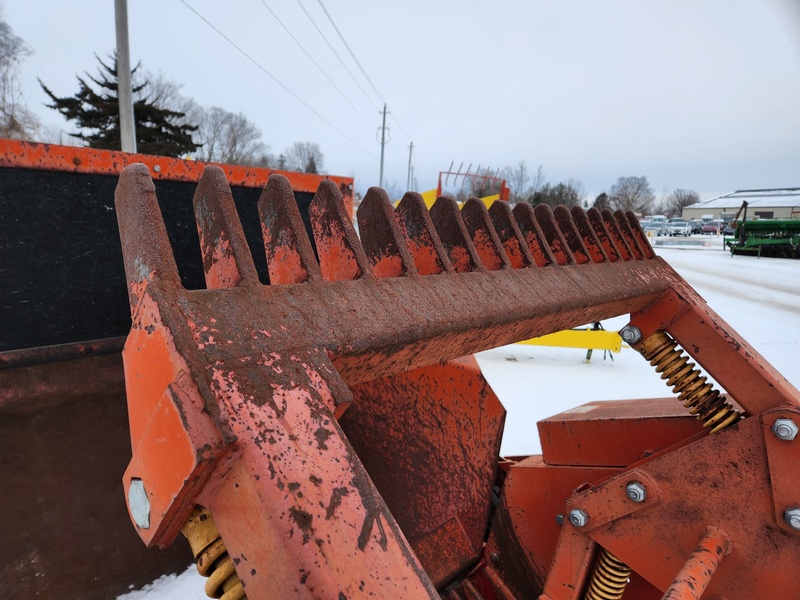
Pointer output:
432, 461
693, 578
720, 479
60, 352
614, 433
63, 413
525, 528
316, 419
62, 448
52, 157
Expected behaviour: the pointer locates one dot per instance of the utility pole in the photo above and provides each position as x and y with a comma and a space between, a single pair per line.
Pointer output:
383, 143
126, 123
410, 150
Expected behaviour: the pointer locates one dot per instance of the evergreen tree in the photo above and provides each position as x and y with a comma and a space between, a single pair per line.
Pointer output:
96, 113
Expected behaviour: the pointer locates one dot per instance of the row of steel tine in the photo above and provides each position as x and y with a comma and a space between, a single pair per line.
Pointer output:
405, 241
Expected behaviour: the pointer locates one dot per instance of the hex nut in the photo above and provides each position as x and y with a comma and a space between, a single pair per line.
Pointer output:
139, 504
630, 334
578, 517
792, 517
785, 429
636, 491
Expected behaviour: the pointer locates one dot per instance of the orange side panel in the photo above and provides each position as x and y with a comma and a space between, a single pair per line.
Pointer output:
615, 433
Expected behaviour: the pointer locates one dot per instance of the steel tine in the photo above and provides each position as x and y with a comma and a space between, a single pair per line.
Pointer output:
430, 257
544, 217
627, 233
381, 237
146, 250
567, 227
510, 236
484, 237
341, 255
533, 235
638, 234
612, 226
455, 238
227, 261
591, 239
290, 257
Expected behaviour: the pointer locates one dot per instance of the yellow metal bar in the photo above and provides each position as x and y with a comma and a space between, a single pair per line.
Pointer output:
588, 339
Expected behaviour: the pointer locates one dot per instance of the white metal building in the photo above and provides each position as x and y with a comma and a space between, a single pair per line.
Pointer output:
780, 203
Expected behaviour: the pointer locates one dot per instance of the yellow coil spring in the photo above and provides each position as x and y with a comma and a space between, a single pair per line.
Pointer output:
609, 578
693, 389
212, 557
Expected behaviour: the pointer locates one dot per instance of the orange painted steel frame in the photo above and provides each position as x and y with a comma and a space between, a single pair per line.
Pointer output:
52, 157
340, 457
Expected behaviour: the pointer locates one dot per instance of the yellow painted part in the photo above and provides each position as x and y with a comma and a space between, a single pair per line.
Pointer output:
489, 200
429, 197
580, 338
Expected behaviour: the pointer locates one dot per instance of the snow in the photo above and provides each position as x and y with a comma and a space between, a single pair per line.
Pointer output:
759, 298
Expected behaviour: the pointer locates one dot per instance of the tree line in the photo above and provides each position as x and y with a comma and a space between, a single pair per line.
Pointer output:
167, 123
632, 193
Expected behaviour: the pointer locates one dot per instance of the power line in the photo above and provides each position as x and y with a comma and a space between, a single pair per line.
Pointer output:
346, 45
363, 71
400, 125
276, 80
321, 70
310, 18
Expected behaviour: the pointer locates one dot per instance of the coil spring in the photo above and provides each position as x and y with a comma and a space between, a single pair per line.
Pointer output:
211, 556
693, 389
609, 578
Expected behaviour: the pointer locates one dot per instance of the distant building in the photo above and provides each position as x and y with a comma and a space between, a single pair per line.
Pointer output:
779, 203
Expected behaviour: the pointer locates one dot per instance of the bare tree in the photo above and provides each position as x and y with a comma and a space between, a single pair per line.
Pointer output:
576, 185
229, 138
161, 91
632, 194
305, 157
518, 178
16, 121
680, 199
538, 180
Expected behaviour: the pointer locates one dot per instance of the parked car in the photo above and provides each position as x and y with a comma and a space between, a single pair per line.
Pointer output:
697, 225
679, 227
714, 227
656, 227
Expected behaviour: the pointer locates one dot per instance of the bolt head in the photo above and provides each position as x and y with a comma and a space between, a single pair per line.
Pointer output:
139, 504
630, 334
495, 558
578, 517
636, 491
792, 517
785, 429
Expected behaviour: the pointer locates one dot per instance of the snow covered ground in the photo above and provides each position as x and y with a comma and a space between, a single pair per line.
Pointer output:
759, 298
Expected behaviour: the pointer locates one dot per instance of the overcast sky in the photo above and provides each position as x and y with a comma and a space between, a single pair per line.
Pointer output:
694, 94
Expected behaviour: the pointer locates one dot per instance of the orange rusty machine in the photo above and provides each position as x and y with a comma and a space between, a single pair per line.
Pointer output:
322, 436
64, 315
